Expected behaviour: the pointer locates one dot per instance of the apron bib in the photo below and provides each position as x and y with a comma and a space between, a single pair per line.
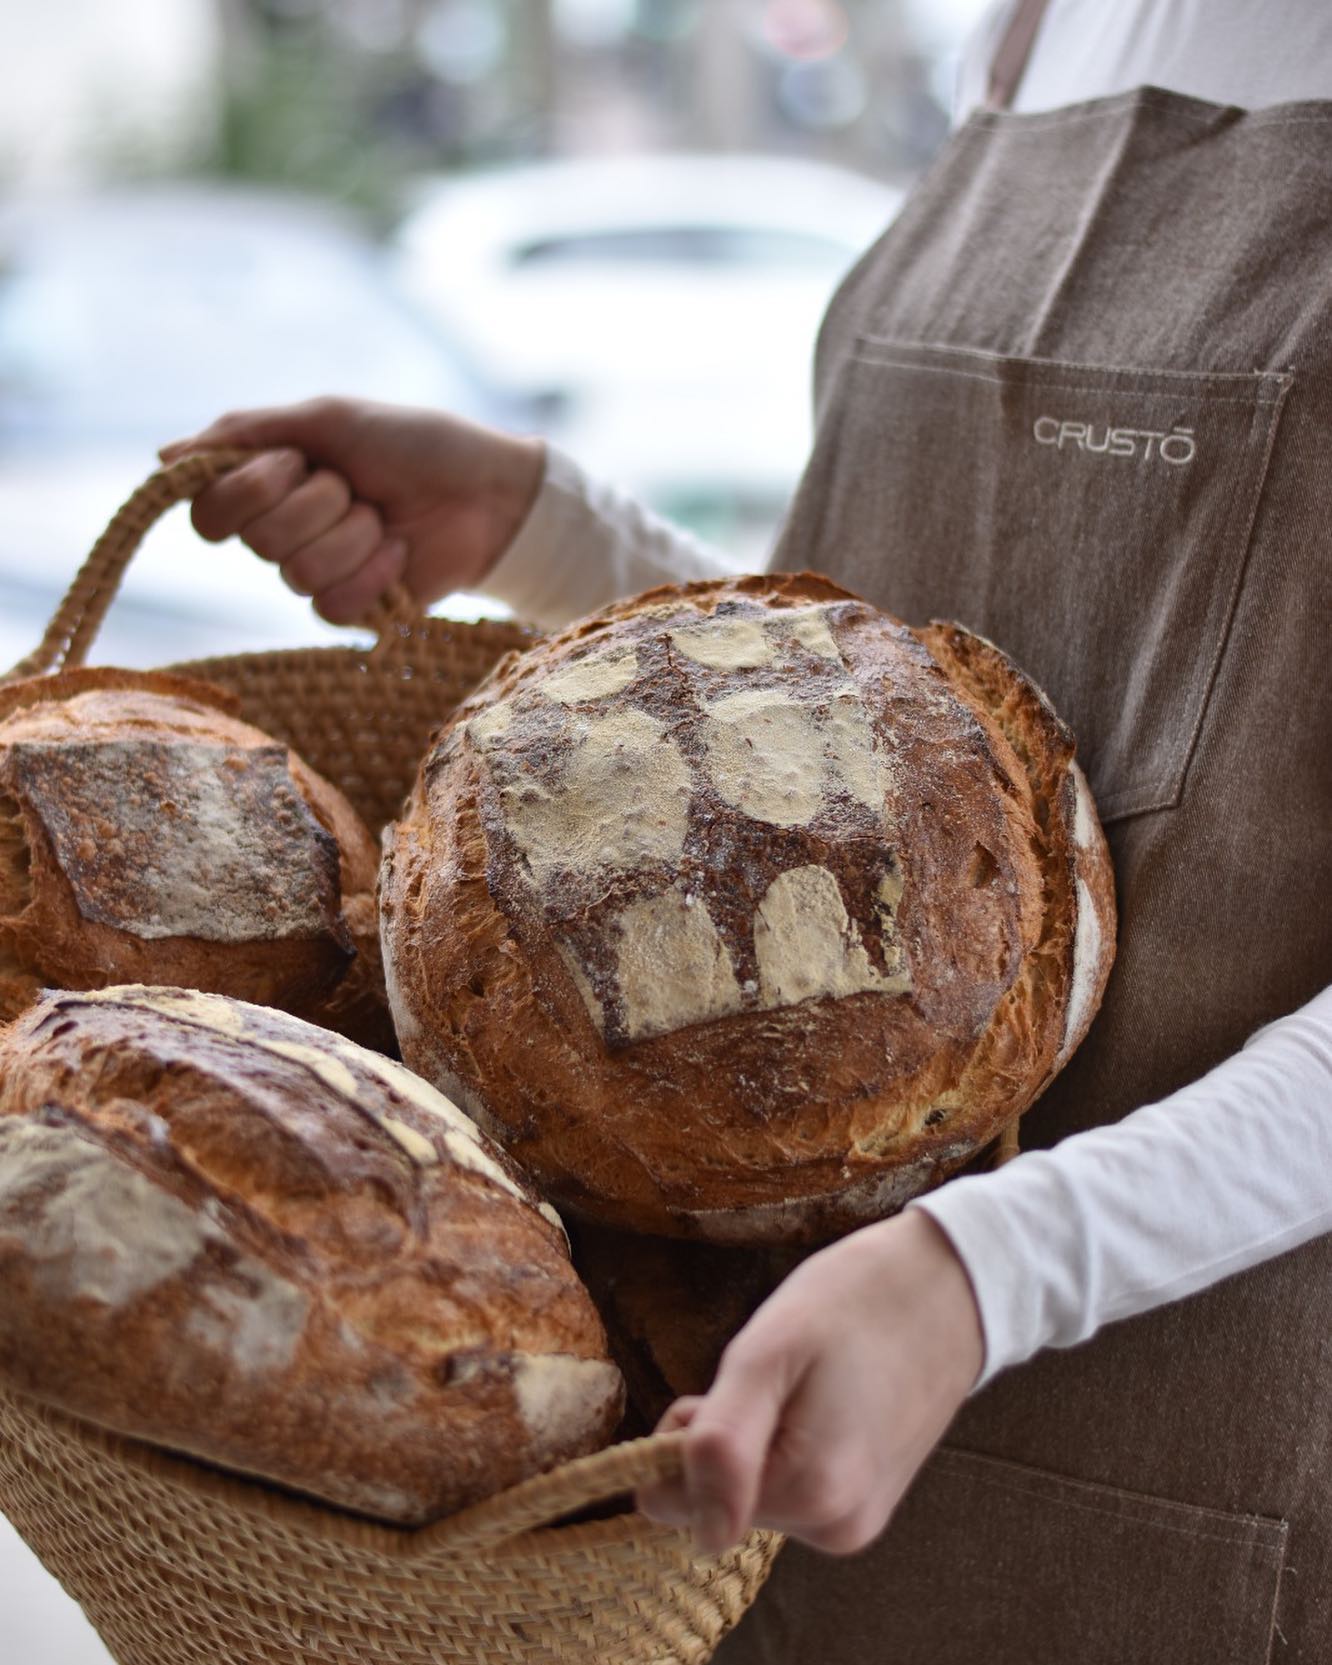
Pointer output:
1079, 398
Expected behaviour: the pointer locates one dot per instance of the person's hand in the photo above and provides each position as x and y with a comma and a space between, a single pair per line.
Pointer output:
347, 496
831, 1397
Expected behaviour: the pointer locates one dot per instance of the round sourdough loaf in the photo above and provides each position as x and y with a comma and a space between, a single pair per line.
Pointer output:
236, 1235
148, 835
744, 911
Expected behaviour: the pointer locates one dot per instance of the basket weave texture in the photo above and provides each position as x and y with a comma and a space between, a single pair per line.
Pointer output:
177, 1564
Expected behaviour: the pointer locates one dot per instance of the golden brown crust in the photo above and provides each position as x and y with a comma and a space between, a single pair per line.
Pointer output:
732, 910
146, 834
1069, 966
233, 1234
50, 690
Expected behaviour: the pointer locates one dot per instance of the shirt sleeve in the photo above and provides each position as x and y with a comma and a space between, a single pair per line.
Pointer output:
585, 544
1229, 1171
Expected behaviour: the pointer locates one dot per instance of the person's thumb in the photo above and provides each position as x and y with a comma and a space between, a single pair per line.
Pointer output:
665, 1500
727, 1444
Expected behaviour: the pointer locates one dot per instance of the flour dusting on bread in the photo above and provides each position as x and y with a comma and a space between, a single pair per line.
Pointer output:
744, 910
226, 1232
182, 838
94, 1228
562, 1396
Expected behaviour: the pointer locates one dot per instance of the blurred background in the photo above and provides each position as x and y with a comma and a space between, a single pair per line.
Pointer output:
614, 222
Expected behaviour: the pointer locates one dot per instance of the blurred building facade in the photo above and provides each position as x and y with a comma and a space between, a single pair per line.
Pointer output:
348, 97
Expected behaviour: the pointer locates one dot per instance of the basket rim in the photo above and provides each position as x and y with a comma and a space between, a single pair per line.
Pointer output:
492, 1523
389, 659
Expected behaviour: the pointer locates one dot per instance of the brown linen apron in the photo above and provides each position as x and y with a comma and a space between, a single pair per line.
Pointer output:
1079, 397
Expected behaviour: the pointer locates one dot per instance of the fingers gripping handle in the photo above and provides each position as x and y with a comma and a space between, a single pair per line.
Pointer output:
78, 618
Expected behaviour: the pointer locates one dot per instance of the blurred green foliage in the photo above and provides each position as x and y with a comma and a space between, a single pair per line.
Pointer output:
304, 111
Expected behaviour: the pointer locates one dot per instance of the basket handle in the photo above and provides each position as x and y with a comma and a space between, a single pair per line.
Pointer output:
78, 618
545, 1497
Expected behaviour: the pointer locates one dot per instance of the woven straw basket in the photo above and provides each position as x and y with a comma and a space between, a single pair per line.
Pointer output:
177, 1564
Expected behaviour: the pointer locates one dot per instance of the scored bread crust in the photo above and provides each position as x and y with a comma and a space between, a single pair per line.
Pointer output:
1075, 858
754, 995
111, 869
235, 1235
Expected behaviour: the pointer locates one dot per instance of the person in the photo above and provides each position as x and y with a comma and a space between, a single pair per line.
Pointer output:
1078, 396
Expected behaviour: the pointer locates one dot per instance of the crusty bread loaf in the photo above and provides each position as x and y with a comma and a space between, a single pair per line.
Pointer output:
744, 911
239, 1236
148, 835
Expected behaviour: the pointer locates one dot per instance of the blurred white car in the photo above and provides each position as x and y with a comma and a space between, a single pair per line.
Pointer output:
136, 316
661, 311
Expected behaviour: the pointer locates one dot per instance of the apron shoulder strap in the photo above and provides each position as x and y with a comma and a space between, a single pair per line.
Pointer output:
1010, 60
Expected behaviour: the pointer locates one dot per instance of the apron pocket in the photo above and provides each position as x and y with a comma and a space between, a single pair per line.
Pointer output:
1094, 521
989, 1562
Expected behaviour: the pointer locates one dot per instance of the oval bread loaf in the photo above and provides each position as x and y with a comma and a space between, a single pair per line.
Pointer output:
148, 835
236, 1235
744, 911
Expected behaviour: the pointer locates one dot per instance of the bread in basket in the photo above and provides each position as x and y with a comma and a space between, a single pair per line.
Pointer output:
177, 1564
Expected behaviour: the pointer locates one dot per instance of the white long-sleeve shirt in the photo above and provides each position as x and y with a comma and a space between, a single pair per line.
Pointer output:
1107, 1224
